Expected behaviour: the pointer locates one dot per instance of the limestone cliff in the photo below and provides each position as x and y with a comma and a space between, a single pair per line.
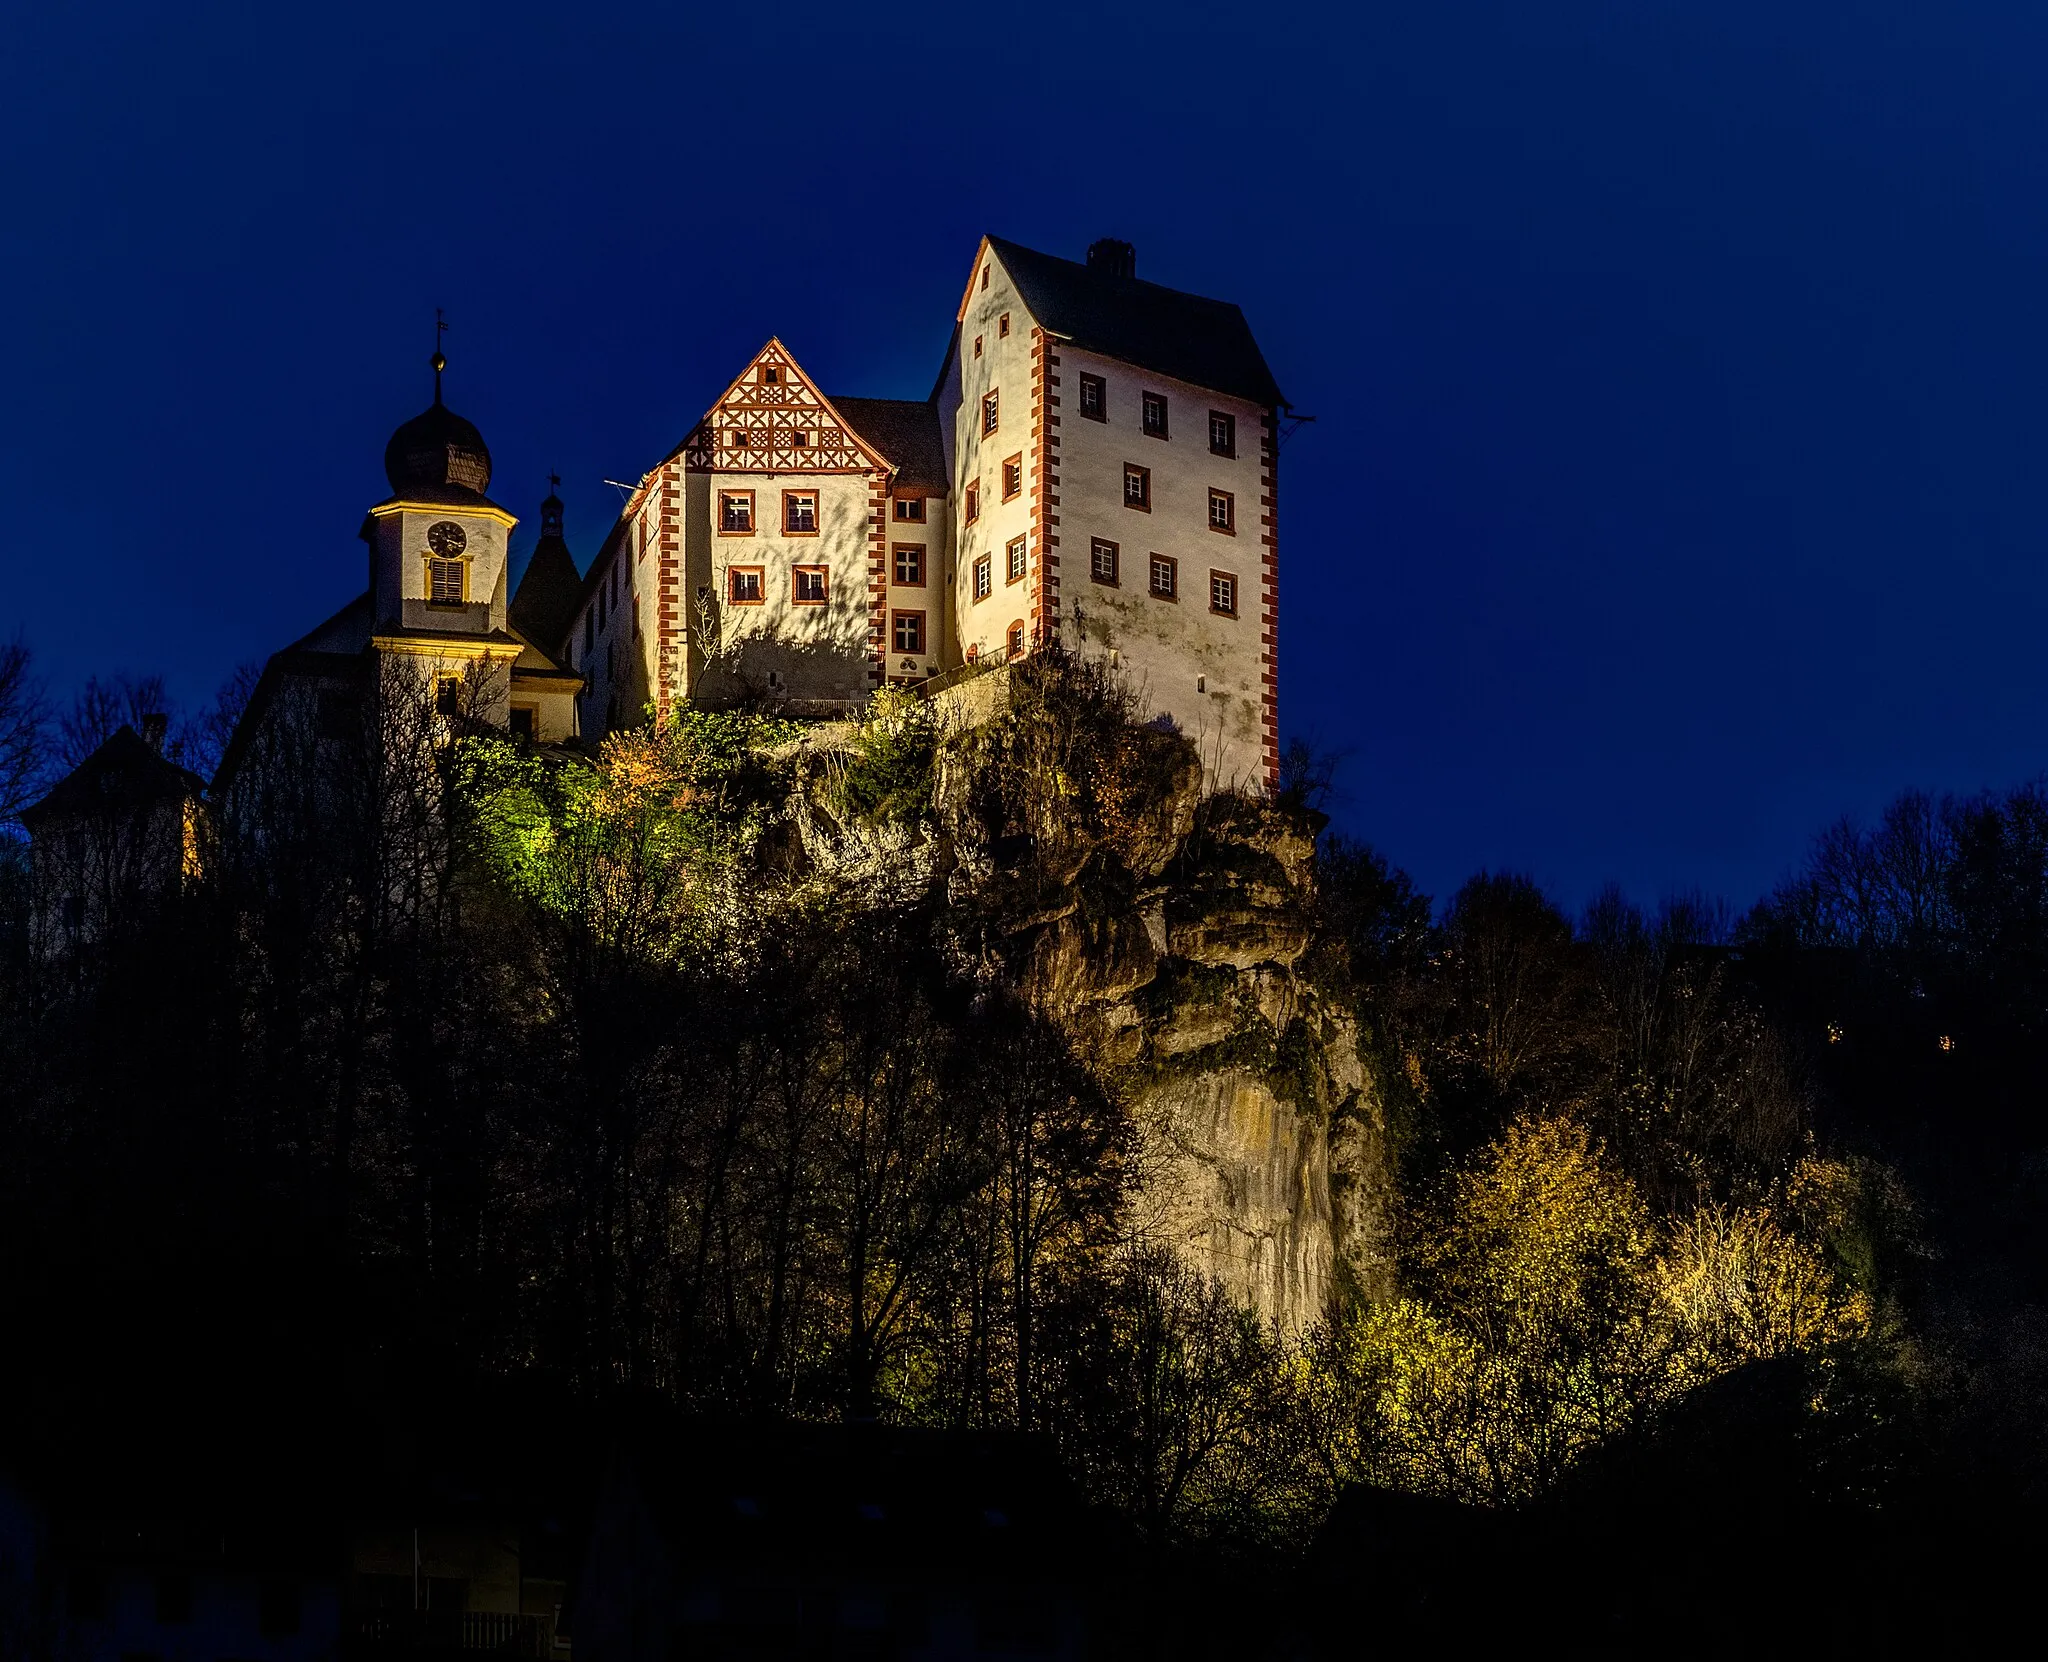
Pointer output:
1174, 953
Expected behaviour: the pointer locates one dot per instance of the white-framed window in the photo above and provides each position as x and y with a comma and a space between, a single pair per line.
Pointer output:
1223, 593
1014, 560
1103, 561
1165, 577
984, 577
991, 410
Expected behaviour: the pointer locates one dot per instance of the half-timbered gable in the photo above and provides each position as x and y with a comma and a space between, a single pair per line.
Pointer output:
772, 419
785, 545
1096, 467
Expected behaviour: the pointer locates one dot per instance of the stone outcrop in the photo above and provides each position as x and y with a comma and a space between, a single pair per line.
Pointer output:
1178, 963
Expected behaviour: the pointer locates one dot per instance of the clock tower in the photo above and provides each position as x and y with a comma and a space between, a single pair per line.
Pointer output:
438, 543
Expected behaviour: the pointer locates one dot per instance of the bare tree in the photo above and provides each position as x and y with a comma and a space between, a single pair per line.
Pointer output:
24, 729
102, 708
204, 739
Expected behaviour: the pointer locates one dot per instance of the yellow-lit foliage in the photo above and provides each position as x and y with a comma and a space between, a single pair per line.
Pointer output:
1552, 1314
1740, 1286
635, 852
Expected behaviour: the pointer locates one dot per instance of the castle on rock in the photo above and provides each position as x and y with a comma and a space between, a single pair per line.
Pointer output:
1096, 467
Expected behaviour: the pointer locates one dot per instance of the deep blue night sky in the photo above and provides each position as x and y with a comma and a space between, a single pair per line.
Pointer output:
1679, 371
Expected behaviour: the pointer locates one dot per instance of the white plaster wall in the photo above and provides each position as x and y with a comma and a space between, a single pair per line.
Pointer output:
1203, 670
401, 543
928, 597
554, 710
1005, 365
815, 652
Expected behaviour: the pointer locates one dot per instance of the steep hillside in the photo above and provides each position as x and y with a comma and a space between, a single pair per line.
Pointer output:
1073, 857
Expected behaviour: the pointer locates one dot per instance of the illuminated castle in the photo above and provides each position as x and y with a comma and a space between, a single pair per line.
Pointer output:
1095, 466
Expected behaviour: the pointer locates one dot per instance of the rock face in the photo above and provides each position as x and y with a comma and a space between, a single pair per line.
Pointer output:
1265, 1156
1177, 963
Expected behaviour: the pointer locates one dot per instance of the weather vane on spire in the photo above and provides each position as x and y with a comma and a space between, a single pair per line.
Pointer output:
554, 481
440, 363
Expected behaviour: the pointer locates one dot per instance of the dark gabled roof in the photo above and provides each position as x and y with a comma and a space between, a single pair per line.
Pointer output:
1206, 343
906, 431
536, 662
124, 772
549, 592
349, 630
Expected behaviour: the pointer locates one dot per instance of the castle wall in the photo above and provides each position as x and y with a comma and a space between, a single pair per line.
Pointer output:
984, 625
399, 554
927, 599
1186, 659
780, 644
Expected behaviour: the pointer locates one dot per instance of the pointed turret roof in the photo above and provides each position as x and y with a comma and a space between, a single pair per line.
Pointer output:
550, 589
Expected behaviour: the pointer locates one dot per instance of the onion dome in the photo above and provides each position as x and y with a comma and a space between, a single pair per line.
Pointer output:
437, 456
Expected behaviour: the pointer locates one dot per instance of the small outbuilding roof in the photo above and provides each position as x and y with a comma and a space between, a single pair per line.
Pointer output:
126, 771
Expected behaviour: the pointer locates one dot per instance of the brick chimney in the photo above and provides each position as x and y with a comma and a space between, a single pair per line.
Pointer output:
1111, 258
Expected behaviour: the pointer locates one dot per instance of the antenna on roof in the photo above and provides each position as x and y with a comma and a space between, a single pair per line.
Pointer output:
1290, 424
625, 491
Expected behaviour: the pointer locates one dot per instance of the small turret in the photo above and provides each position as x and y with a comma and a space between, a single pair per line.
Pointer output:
545, 605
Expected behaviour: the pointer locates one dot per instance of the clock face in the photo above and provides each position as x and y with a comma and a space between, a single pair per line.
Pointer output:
446, 539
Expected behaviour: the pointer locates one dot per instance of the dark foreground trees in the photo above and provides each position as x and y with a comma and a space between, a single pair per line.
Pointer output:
469, 1064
